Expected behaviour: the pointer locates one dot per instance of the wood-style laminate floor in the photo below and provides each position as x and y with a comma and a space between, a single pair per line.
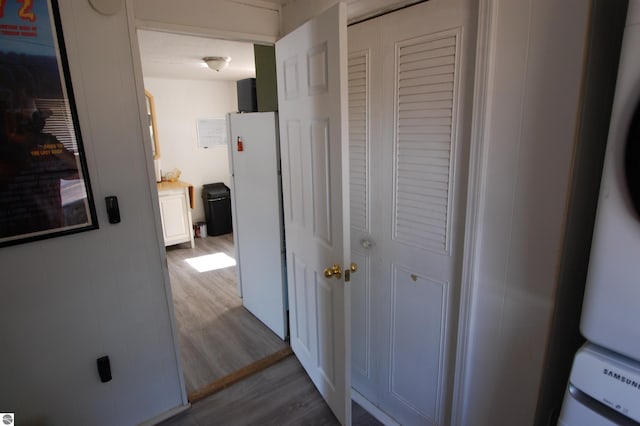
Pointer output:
218, 336
279, 395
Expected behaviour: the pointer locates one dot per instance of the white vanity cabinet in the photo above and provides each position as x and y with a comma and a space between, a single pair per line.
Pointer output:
175, 211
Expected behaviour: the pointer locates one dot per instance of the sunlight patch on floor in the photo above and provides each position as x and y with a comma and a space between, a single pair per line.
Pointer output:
211, 262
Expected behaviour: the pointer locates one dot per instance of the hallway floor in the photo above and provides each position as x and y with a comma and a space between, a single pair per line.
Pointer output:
218, 336
280, 395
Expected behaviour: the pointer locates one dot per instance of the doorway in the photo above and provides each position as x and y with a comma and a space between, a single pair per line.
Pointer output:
218, 337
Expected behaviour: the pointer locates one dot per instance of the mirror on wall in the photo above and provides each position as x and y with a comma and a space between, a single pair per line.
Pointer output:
153, 128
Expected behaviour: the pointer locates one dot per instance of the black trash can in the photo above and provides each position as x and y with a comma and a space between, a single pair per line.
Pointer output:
216, 198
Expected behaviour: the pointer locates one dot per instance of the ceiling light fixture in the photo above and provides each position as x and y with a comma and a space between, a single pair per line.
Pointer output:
217, 63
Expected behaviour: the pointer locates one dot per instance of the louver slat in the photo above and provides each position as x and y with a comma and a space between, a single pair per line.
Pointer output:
359, 140
424, 110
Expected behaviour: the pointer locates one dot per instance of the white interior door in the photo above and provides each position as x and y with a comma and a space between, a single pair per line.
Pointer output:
312, 99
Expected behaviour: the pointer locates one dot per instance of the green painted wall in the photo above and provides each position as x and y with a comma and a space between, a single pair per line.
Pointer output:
266, 86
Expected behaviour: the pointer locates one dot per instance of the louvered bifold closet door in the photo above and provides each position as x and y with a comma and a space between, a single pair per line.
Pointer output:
407, 76
418, 263
358, 140
359, 174
424, 136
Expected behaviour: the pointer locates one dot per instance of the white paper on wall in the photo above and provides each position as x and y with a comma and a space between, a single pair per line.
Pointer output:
211, 132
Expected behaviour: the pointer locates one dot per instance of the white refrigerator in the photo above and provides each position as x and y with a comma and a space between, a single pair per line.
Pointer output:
256, 202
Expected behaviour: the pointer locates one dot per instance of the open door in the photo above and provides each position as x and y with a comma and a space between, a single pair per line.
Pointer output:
312, 99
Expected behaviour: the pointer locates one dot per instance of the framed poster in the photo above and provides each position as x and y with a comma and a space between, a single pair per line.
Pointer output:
44, 184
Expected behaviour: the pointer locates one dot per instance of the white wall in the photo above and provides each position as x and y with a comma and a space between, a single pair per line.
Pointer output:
534, 83
72, 299
179, 104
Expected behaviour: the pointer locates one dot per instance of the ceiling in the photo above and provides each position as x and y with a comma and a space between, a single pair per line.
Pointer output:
166, 55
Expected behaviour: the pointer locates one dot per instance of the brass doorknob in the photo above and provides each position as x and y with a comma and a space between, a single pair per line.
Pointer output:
334, 271
353, 267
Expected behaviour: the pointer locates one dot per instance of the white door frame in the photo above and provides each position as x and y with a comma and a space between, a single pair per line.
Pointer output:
166, 282
480, 116
134, 25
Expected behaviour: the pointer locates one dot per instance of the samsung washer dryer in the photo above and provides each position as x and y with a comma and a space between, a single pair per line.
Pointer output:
611, 309
604, 390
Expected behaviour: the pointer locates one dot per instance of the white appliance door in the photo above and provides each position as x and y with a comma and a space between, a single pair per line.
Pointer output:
312, 99
610, 314
258, 217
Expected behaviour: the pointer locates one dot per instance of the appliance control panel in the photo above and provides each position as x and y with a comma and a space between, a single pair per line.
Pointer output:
609, 378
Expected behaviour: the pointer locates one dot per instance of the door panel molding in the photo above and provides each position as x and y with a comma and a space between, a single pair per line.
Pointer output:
296, 177
430, 298
300, 289
321, 181
318, 74
291, 78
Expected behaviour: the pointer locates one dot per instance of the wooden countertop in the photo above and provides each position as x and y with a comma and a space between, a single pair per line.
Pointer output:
167, 186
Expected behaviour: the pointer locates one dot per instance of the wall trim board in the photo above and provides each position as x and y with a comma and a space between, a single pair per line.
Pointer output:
153, 193
142, 24
486, 33
259, 3
360, 11
216, 16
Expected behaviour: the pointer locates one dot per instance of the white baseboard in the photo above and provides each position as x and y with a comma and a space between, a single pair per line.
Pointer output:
164, 416
380, 415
